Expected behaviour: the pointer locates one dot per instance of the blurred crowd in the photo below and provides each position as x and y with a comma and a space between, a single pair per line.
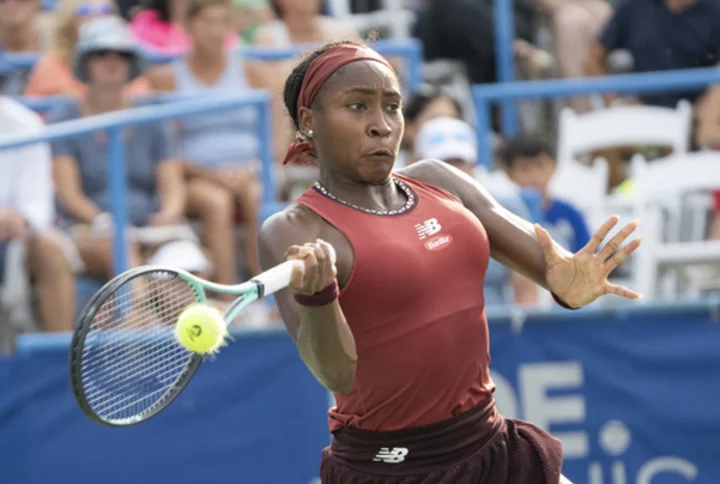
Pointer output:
193, 184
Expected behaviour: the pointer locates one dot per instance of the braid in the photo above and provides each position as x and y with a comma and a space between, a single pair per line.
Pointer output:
296, 77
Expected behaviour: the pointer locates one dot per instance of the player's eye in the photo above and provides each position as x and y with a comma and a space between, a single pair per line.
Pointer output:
394, 107
356, 106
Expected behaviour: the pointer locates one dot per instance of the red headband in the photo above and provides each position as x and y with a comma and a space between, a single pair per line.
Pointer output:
320, 69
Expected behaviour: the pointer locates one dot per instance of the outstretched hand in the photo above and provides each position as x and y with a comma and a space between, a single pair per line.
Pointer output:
578, 279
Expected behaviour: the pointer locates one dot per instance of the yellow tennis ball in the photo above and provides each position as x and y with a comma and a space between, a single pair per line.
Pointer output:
627, 187
201, 329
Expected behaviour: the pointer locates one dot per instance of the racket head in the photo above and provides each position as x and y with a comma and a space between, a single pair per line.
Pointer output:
125, 364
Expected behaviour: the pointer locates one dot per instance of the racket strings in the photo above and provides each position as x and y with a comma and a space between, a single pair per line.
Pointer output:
131, 359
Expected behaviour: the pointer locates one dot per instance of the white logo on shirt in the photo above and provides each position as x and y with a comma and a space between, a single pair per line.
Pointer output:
428, 228
394, 456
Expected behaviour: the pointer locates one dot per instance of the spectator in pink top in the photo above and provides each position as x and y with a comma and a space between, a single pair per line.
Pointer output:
159, 27
52, 74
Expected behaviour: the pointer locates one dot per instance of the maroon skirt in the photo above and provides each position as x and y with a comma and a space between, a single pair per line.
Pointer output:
476, 447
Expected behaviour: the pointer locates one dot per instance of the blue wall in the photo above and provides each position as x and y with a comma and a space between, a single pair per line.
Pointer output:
632, 395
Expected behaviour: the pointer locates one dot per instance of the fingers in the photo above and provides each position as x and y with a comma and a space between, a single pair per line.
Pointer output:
547, 244
297, 280
299, 274
600, 235
318, 275
328, 251
317, 271
619, 256
621, 291
614, 244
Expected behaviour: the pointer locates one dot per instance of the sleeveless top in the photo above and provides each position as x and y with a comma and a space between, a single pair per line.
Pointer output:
226, 137
415, 305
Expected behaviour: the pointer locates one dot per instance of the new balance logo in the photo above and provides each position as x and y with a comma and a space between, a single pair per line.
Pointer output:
428, 228
391, 456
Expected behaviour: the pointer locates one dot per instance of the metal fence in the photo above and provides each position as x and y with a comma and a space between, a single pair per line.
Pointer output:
181, 106
113, 123
487, 94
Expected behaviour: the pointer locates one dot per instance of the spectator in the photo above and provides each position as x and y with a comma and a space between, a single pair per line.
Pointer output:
453, 141
249, 16
576, 24
19, 32
661, 35
52, 74
26, 214
160, 27
220, 149
463, 30
708, 137
430, 103
530, 163
708, 120
18, 25
302, 22
297, 23
107, 60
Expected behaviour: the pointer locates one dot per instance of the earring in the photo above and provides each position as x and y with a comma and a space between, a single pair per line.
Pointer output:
310, 134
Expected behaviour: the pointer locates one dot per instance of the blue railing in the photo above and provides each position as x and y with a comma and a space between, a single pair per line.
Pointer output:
410, 50
113, 124
504, 59
486, 94
511, 316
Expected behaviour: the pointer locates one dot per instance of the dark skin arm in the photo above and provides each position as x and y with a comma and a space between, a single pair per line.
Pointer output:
577, 279
323, 338
512, 239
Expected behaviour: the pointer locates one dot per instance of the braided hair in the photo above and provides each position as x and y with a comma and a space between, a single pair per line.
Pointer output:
296, 77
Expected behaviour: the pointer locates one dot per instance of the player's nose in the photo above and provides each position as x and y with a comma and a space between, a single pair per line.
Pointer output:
379, 127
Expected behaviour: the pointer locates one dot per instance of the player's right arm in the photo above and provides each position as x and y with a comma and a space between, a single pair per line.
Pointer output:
323, 338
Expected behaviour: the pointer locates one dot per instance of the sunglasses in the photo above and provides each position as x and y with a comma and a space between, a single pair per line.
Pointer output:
93, 9
100, 54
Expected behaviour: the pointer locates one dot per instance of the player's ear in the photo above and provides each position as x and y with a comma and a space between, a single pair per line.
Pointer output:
305, 121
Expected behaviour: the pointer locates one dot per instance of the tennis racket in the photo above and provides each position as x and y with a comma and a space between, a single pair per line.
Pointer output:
125, 364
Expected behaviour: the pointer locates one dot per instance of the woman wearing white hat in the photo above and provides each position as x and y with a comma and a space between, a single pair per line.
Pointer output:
106, 59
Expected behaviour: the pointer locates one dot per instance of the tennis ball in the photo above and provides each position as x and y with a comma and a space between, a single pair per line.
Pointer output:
201, 329
627, 187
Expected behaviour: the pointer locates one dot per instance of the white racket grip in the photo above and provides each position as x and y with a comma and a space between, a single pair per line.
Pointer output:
278, 278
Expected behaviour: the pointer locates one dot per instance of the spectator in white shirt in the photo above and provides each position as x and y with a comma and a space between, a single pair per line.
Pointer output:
26, 215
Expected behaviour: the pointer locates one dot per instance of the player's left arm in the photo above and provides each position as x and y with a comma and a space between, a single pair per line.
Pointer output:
512, 239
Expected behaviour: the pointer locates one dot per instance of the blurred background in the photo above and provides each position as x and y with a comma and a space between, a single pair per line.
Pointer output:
136, 132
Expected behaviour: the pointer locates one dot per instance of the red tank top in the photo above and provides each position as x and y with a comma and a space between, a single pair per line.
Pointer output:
414, 302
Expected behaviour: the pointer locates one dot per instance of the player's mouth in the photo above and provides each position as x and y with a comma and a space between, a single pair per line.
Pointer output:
381, 153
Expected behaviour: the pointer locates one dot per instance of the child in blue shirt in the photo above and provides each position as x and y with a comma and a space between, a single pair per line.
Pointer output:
530, 163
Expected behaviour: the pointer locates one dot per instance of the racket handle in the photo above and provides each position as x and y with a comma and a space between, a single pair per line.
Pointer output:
279, 277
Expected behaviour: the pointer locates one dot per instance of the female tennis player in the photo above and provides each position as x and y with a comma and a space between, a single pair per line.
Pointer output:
397, 328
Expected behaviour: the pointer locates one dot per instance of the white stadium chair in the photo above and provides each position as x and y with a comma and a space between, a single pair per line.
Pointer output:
584, 186
660, 188
623, 126
580, 134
